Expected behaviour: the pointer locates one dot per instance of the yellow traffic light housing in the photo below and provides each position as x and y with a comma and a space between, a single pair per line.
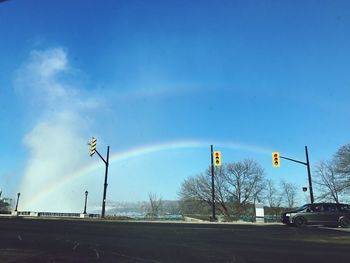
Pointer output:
217, 158
276, 159
93, 146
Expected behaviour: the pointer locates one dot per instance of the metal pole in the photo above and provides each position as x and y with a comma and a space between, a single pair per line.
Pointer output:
86, 194
18, 195
213, 218
105, 185
309, 176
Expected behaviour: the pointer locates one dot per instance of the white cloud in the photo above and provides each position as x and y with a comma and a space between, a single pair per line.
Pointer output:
37, 79
57, 142
49, 62
56, 149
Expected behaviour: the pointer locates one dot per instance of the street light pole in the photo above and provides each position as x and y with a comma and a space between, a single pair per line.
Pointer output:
18, 195
86, 194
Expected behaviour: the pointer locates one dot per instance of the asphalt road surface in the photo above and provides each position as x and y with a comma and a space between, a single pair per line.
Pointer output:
39, 240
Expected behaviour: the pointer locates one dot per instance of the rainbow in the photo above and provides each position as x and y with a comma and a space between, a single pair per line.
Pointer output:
140, 151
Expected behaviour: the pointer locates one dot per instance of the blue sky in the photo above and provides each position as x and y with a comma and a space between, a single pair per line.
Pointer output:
270, 75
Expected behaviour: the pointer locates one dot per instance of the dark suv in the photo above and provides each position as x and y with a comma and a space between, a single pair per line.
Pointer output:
318, 214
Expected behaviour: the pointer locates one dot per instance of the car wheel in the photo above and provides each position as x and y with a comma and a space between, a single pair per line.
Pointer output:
299, 221
344, 222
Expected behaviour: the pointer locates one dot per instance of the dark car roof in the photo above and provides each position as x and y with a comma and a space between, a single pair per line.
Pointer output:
327, 204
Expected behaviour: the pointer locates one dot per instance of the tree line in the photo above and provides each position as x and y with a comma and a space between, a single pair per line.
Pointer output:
239, 185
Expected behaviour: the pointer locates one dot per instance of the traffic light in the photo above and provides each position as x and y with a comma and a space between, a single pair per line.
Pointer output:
93, 146
217, 158
276, 159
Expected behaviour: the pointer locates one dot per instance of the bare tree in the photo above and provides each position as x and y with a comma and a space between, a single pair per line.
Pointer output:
198, 189
221, 194
289, 193
273, 196
329, 183
244, 183
342, 160
155, 204
237, 185
172, 207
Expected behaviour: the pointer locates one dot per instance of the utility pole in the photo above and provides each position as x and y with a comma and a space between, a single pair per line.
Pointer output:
213, 217
307, 164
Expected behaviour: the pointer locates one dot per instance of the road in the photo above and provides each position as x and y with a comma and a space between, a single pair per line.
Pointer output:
39, 240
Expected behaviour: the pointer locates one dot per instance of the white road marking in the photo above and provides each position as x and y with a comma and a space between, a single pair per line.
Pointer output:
75, 246
219, 229
135, 258
336, 229
97, 254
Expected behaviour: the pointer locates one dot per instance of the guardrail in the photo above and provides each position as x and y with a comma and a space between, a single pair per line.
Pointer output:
53, 214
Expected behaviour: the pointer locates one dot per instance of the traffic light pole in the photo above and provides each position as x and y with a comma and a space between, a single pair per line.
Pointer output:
105, 183
213, 218
309, 175
307, 164
18, 195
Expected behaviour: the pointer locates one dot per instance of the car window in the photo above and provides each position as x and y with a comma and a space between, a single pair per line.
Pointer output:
317, 208
302, 208
330, 208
